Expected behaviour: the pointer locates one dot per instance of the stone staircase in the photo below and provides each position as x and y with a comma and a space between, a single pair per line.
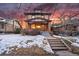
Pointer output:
56, 44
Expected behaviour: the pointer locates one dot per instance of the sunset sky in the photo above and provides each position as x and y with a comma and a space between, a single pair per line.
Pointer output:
12, 10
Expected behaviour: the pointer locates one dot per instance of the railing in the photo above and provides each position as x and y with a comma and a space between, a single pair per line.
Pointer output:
69, 48
62, 39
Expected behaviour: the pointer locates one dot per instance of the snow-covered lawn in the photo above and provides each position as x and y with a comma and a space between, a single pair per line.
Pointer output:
76, 43
10, 40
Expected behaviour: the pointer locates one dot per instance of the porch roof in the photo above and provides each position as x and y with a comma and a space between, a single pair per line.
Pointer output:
38, 20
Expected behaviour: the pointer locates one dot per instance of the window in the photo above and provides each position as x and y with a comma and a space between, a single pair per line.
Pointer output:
36, 16
2, 25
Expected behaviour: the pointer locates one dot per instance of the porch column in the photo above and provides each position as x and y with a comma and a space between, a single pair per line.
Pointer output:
13, 26
29, 26
5, 27
49, 27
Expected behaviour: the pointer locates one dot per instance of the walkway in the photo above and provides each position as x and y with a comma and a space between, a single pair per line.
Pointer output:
65, 53
46, 34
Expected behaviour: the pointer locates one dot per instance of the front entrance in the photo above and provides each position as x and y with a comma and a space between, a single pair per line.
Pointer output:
42, 27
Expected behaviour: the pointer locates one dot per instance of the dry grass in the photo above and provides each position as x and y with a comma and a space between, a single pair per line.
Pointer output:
33, 51
75, 50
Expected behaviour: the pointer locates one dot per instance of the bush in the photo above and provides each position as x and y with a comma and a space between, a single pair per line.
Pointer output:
17, 31
32, 32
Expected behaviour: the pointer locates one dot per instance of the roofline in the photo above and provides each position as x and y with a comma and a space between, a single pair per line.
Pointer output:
37, 13
39, 18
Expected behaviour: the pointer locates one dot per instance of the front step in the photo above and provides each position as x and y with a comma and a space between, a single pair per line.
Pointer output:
54, 40
59, 48
57, 45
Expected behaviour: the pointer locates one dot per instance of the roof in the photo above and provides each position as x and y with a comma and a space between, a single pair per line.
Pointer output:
37, 13
57, 25
38, 20
2, 20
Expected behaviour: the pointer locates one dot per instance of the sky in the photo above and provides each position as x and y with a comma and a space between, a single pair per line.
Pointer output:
11, 10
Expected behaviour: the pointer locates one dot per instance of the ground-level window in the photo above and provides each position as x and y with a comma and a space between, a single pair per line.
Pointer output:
2, 25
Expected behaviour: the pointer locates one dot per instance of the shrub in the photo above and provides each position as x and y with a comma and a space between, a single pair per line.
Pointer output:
32, 32
17, 31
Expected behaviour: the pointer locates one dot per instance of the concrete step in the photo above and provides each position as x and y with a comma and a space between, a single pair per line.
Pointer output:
59, 48
57, 45
54, 40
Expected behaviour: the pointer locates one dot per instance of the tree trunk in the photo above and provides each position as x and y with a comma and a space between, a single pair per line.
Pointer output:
23, 32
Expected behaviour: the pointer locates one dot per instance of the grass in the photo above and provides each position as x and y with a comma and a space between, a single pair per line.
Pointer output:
33, 51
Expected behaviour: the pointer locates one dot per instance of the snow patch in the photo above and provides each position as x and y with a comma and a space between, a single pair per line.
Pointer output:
75, 44
10, 40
